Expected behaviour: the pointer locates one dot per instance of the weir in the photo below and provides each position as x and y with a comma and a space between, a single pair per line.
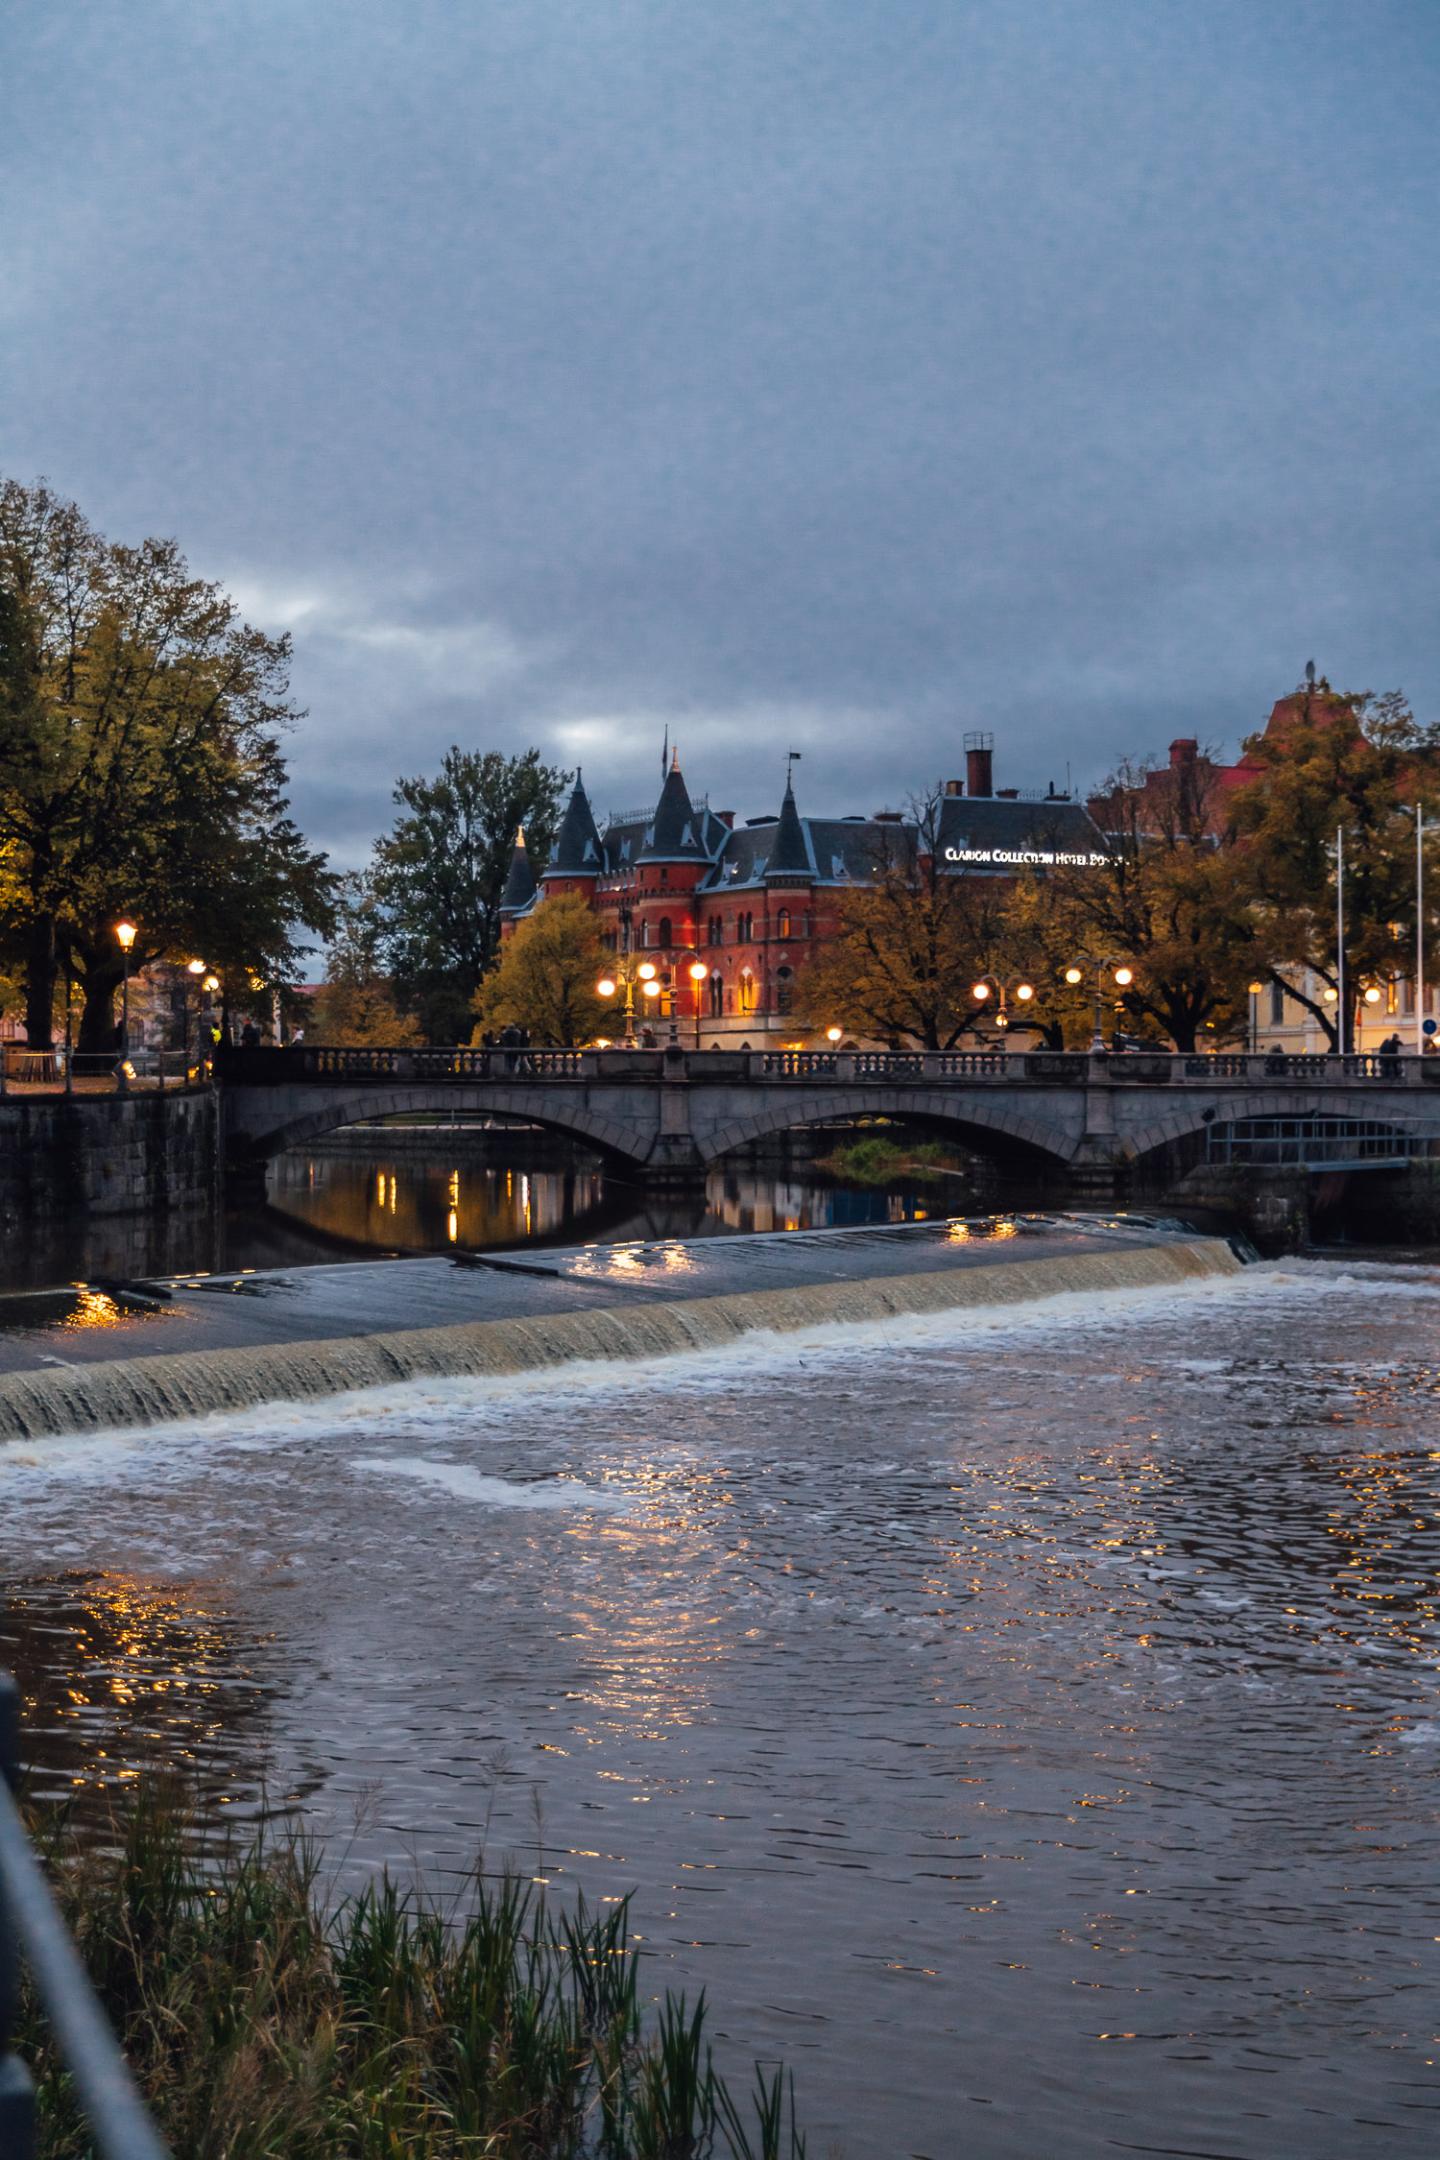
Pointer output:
135, 1391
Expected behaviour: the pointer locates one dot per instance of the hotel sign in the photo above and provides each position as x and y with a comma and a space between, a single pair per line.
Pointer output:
1027, 858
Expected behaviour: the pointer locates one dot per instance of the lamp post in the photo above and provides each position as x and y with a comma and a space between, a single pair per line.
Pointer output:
125, 938
698, 973
625, 978
1255, 989
1417, 811
1122, 977
988, 986
195, 968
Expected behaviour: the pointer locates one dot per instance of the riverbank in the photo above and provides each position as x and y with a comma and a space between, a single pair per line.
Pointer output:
148, 1352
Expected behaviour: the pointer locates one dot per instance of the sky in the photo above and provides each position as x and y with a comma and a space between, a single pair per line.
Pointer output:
782, 375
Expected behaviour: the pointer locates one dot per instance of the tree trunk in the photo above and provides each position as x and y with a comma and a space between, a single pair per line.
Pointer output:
40, 985
97, 1017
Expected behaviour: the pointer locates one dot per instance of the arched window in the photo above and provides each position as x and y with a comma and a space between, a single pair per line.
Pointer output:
784, 989
782, 923
717, 995
745, 1000
665, 931
644, 934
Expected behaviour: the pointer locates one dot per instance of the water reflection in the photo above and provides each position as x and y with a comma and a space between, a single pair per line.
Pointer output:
118, 1675
428, 1203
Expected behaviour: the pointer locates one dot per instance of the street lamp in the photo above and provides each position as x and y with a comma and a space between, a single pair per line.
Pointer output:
625, 978
196, 968
1255, 989
993, 986
1122, 976
698, 973
1417, 811
834, 1036
125, 938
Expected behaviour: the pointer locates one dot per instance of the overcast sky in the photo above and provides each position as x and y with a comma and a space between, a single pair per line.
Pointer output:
828, 375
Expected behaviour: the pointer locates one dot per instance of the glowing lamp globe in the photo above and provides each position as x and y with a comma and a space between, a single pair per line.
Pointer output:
979, 991
1024, 991
651, 989
698, 971
125, 934
1372, 995
646, 971
1074, 975
605, 987
1123, 976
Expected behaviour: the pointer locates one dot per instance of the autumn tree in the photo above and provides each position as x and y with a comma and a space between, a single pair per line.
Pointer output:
141, 772
911, 944
1167, 902
356, 1006
1342, 762
439, 874
545, 980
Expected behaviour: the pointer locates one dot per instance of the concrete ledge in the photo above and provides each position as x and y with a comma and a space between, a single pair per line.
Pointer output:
147, 1391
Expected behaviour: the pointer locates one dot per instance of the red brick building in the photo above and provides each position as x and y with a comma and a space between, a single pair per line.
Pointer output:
684, 885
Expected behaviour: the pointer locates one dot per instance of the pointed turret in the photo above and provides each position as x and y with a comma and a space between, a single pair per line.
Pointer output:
520, 883
789, 857
577, 844
673, 835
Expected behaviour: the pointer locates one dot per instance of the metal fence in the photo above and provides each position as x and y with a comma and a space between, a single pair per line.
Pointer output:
1313, 1143
31, 1926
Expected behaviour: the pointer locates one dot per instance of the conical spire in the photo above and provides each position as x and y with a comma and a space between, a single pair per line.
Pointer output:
520, 883
673, 836
789, 856
577, 844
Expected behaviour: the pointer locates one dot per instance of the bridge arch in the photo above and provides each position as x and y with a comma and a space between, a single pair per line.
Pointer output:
989, 1118
1186, 1117
310, 1113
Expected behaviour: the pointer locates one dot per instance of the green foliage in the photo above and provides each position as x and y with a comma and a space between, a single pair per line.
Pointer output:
440, 872
140, 766
356, 1006
545, 982
877, 1161
261, 2026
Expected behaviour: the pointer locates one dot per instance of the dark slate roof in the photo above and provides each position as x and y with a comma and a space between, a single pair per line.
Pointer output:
674, 833
789, 856
577, 852
837, 851
520, 883
991, 835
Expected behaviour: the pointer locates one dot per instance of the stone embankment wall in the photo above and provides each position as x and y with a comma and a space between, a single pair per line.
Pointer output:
66, 1158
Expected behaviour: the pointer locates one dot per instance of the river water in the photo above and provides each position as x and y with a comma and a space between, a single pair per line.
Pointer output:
1023, 1724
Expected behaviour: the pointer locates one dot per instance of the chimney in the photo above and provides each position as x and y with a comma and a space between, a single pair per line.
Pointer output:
980, 763
954, 787
1007, 794
727, 818
1183, 751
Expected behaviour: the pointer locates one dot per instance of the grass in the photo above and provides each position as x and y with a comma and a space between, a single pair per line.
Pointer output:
874, 1161
263, 2025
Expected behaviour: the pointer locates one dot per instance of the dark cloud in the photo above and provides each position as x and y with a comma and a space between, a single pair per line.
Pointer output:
830, 376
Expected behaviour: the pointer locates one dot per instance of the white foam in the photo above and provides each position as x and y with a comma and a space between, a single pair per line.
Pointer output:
465, 1483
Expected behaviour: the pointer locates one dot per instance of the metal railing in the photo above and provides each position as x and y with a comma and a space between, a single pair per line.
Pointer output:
30, 1924
1313, 1143
97, 1072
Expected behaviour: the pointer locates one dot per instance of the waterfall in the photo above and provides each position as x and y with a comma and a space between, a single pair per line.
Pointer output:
147, 1390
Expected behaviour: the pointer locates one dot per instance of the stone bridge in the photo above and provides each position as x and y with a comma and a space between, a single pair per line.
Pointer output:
670, 1114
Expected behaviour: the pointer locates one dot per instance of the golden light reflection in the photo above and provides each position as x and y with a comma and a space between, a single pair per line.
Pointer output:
94, 1309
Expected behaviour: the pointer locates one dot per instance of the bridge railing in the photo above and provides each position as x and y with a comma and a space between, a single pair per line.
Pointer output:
120, 2127
316, 1062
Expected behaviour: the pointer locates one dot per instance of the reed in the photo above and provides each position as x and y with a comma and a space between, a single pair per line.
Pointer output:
265, 2023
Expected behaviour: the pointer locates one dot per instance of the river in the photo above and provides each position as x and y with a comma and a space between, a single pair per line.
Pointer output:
1022, 1724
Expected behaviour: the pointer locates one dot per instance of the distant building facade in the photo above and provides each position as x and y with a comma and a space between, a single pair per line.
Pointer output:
682, 884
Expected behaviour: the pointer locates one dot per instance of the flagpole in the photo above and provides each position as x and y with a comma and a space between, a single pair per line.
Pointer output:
1342, 1030
1419, 927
